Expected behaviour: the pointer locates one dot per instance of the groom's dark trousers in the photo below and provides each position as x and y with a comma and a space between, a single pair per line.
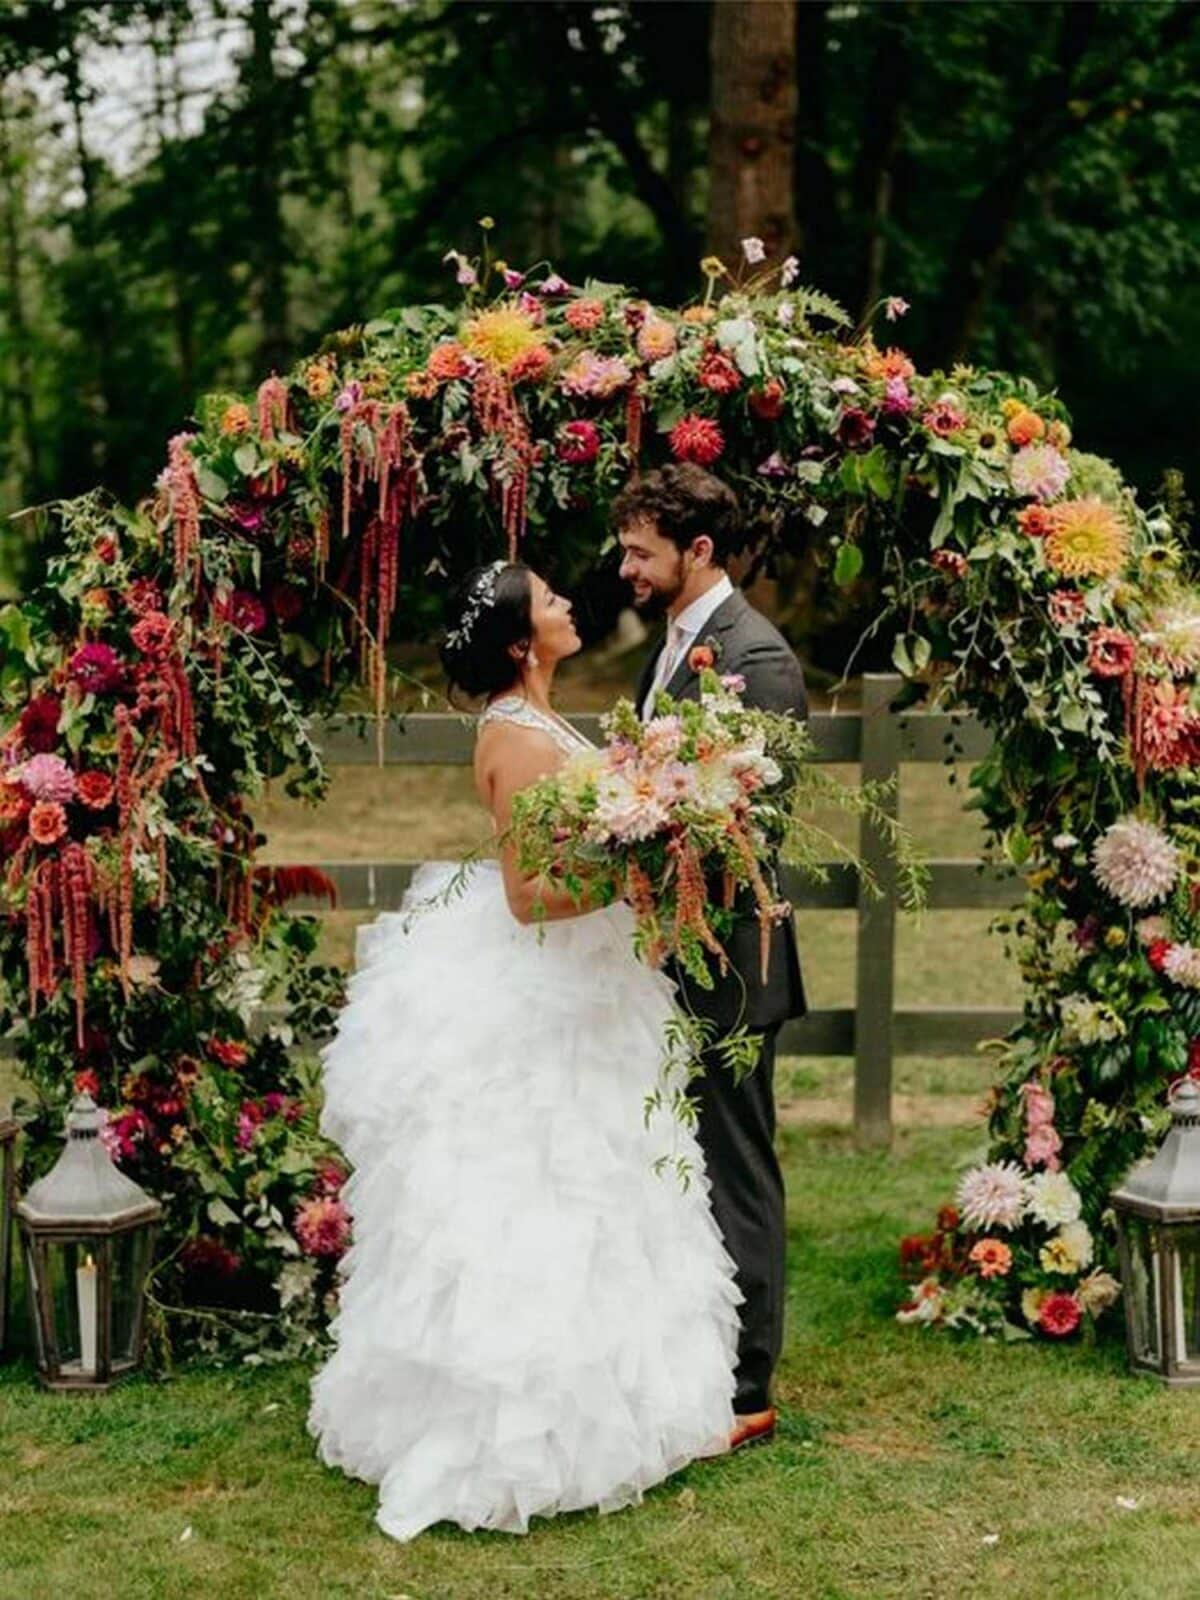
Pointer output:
737, 1120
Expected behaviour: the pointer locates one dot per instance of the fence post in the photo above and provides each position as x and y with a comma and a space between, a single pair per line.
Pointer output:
875, 974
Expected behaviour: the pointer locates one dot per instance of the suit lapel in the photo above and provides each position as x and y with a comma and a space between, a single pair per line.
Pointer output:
728, 614
647, 677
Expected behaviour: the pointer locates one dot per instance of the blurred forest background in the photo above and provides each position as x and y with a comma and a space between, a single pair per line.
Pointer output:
193, 192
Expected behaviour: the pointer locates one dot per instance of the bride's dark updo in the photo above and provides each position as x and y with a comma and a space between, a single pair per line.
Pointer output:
490, 613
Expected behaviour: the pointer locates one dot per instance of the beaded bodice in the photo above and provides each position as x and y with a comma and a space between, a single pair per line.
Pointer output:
512, 708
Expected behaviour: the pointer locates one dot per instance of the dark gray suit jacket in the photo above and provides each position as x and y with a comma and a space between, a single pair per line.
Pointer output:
748, 644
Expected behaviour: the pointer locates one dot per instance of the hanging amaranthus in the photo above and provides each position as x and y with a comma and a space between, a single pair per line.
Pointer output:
183, 496
498, 413
691, 900
274, 417
76, 883
40, 905
645, 909
635, 411
770, 910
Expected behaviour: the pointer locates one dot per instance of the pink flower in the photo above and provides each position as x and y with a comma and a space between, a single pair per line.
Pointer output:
1067, 608
554, 285
944, 418
512, 278
46, 777
330, 1176
578, 443
322, 1226
897, 400
594, 377
1059, 1315
349, 397
242, 610
1039, 471
894, 307
153, 634
96, 668
1042, 1145
774, 467
250, 1119
951, 562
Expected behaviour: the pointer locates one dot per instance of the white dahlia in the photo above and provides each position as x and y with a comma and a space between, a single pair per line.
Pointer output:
1053, 1199
1136, 862
1097, 1292
1173, 636
992, 1196
1182, 965
1087, 1021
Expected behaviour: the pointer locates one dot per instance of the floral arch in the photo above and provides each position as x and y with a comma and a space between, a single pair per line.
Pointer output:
171, 660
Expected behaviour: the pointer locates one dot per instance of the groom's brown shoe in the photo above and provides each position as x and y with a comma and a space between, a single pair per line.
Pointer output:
752, 1427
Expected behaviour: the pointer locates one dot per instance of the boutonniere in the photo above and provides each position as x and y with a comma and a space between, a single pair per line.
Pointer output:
704, 655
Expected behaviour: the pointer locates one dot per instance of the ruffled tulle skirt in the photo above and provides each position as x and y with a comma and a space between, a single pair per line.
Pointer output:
532, 1319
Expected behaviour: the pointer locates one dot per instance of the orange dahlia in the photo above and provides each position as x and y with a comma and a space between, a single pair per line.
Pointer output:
448, 360
235, 419
1025, 428
584, 315
1089, 539
993, 1258
891, 363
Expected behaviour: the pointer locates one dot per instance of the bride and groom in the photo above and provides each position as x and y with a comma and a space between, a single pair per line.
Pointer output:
532, 1319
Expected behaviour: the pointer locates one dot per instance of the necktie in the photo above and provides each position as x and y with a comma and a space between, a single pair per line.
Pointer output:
672, 651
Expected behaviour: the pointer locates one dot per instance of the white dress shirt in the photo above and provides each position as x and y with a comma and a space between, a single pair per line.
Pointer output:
682, 633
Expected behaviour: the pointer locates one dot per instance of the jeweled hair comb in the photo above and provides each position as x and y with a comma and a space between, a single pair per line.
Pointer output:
482, 595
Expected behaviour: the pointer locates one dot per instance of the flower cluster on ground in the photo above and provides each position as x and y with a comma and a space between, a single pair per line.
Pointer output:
167, 669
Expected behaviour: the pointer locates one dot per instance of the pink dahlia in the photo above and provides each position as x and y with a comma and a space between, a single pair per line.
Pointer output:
1059, 1315
323, 1226
944, 418
697, 439
1180, 962
46, 777
594, 377
1039, 471
96, 668
1135, 862
897, 399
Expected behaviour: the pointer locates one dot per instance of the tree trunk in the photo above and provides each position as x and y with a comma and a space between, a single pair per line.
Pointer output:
752, 130
268, 242
816, 199
14, 210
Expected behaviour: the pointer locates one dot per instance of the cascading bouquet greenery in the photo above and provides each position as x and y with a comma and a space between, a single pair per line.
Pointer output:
686, 817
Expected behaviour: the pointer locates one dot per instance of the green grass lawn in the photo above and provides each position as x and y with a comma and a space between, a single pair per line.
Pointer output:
908, 1465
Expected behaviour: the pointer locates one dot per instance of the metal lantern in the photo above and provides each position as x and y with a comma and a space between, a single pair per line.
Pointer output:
8, 1142
1158, 1226
88, 1232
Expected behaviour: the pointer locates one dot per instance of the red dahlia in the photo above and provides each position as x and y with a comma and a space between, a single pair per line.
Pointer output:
697, 439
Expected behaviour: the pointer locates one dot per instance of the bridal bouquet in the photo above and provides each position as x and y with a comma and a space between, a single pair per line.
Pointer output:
687, 814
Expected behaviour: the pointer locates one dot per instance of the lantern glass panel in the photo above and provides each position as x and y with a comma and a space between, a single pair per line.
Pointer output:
131, 1262
1143, 1290
1187, 1295
71, 1264
32, 1279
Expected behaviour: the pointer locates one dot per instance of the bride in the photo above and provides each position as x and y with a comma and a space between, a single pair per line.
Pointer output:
532, 1319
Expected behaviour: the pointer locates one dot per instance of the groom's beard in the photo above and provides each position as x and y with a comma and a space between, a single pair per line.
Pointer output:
656, 604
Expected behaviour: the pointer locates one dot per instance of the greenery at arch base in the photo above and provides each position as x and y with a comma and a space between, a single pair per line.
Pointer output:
171, 662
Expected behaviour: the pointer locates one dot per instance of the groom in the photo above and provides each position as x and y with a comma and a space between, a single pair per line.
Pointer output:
677, 529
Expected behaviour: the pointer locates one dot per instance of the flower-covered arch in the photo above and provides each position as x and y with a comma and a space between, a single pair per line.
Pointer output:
170, 663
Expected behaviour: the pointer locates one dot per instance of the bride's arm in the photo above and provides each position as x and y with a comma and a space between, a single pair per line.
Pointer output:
512, 759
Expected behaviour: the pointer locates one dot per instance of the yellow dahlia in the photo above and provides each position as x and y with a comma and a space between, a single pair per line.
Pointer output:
500, 337
1089, 539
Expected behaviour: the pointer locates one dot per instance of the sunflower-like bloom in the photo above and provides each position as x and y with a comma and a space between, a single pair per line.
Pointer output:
500, 337
1089, 539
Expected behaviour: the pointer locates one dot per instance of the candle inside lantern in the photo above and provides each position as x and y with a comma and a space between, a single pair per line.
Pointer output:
85, 1289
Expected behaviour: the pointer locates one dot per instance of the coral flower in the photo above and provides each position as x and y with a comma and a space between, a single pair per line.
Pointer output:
596, 377
1110, 653
421, 385
448, 360
993, 1258
584, 315
1067, 608
944, 419
229, 1052
153, 634
697, 439
700, 314
1037, 521
718, 373
47, 822
95, 789
1089, 540
767, 403
533, 365
1059, 1315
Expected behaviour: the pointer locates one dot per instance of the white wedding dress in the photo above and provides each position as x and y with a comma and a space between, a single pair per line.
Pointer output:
532, 1319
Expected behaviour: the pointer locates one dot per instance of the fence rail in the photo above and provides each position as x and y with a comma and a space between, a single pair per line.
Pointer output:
874, 1032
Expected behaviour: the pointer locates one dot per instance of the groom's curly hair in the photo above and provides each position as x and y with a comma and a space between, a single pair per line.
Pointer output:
682, 501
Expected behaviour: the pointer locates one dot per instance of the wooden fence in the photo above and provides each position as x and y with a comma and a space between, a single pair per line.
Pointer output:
874, 1032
